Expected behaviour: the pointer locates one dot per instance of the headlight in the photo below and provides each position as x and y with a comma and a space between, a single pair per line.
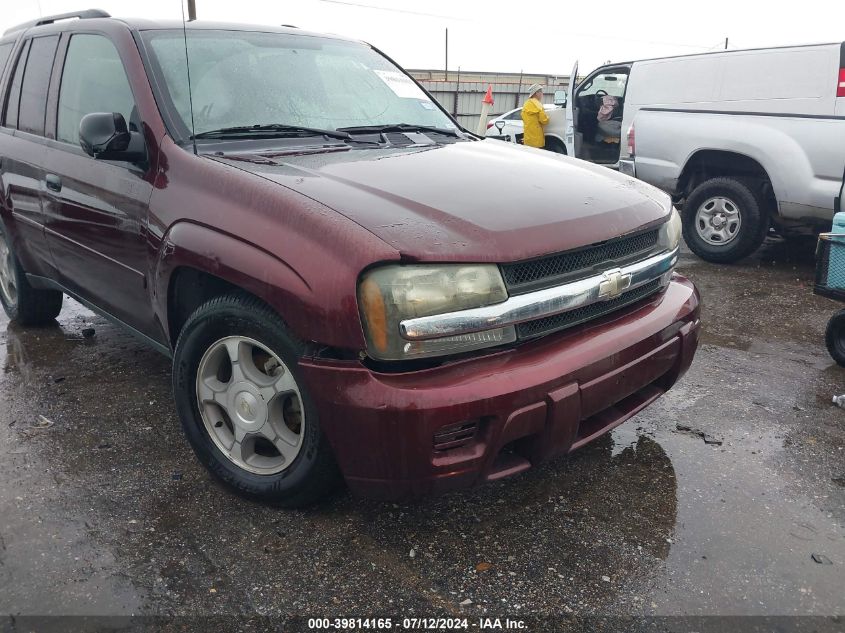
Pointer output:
389, 294
670, 232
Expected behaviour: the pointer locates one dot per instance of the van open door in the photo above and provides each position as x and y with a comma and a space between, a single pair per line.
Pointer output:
571, 150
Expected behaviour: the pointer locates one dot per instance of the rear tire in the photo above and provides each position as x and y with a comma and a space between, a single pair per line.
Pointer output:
245, 408
21, 302
835, 337
724, 220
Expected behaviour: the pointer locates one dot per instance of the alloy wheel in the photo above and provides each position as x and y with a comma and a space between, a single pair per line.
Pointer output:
8, 280
251, 405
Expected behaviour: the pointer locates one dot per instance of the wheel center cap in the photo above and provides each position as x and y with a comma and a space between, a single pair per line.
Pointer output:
246, 407
719, 221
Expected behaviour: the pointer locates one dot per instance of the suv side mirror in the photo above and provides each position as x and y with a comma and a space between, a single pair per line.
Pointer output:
560, 98
105, 136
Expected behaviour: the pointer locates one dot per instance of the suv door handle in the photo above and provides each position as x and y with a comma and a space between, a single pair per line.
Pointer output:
54, 183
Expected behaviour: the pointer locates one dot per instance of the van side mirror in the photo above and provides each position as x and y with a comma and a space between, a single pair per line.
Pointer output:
105, 136
560, 98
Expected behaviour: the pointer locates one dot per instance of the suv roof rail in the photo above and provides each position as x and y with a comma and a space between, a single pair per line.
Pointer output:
49, 19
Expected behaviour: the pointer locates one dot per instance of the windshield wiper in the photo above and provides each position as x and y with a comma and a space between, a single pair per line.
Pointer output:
271, 130
399, 127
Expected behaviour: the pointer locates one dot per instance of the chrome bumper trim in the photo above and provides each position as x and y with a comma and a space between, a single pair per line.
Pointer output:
541, 303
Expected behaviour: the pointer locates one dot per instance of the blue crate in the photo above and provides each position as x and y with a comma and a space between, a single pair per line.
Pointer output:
836, 256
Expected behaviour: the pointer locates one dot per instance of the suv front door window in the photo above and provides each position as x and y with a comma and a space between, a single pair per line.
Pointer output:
100, 205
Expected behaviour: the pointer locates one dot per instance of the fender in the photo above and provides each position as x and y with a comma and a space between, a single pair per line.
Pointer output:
762, 157
666, 140
263, 274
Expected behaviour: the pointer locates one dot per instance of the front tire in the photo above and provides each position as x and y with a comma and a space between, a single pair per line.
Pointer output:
244, 407
724, 220
21, 302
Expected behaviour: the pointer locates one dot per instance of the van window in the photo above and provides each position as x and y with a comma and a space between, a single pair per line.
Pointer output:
611, 83
93, 80
14, 99
36, 80
5, 51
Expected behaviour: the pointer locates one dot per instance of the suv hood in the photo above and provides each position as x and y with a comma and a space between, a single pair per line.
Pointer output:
483, 201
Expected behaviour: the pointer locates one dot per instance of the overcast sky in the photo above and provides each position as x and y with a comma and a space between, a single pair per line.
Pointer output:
544, 36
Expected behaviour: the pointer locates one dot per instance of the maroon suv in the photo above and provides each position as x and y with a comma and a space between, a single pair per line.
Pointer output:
347, 281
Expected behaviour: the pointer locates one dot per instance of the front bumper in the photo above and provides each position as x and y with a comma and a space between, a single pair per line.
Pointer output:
540, 399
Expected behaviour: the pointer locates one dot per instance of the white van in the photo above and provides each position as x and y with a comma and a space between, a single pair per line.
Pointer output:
743, 140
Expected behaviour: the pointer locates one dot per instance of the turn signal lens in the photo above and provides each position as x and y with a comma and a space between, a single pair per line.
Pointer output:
372, 305
670, 232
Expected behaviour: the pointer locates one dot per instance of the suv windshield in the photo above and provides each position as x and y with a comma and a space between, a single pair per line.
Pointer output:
248, 78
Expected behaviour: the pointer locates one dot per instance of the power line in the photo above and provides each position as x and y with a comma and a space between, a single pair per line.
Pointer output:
362, 5
393, 10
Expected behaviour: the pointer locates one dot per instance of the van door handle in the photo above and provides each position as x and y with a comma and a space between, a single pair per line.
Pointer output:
54, 183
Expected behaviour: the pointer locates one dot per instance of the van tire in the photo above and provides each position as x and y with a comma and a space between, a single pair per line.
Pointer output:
22, 303
311, 473
735, 194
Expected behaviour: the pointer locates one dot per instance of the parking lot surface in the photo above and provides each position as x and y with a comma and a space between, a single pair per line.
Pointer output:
714, 500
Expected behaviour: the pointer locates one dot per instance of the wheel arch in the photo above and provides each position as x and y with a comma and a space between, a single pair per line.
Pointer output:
197, 263
704, 164
557, 139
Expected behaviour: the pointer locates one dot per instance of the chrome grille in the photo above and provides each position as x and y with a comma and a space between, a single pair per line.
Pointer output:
547, 325
554, 270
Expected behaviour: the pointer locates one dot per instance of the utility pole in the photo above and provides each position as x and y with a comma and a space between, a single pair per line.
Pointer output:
192, 10
726, 43
457, 89
518, 90
446, 65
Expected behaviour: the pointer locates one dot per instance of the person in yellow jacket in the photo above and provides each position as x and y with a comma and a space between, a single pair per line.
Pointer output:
534, 118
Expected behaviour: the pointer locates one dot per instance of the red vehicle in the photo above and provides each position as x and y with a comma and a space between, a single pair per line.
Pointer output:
314, 242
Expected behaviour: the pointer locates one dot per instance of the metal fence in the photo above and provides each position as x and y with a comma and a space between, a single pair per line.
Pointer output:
463, 99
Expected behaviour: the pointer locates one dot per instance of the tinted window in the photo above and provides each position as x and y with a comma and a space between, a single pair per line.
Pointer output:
15, 89
93, 80
36, 80
515, 115
5, 51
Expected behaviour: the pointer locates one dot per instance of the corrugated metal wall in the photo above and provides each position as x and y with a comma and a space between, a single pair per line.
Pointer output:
506, 96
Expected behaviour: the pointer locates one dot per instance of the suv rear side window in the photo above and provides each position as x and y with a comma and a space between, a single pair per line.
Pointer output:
14, 101
93, 80
36, 80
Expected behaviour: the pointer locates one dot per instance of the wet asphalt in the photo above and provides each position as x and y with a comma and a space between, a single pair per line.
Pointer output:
104, 510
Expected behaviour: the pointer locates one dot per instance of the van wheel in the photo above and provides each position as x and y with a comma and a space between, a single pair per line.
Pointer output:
21, 302
554, 145
244, 407
723, 220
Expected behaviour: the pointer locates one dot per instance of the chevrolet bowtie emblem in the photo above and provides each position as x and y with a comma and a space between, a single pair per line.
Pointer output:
614, 284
